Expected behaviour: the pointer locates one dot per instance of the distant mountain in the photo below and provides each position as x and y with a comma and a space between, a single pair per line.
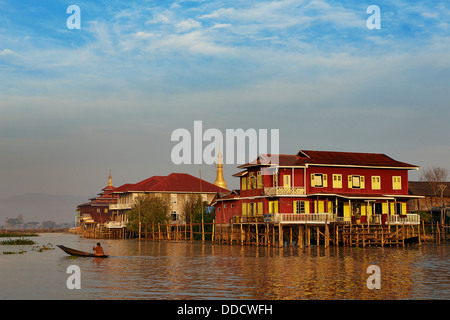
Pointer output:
38, 207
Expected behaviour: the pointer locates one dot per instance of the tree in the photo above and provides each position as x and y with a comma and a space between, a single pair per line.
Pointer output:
434, 176
149, 209
193, 207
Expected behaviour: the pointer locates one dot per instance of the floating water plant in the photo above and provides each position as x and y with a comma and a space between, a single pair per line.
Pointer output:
17, 242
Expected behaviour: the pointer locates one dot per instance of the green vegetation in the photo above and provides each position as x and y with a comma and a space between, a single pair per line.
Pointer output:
22, 241
11, 235
149, 209
14, 252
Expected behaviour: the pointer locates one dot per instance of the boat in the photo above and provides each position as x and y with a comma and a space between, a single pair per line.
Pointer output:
74, 252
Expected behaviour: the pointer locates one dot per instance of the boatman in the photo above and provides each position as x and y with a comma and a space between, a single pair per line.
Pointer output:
98, 250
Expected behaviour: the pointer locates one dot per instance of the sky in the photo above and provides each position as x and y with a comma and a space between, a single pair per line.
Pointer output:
76, 103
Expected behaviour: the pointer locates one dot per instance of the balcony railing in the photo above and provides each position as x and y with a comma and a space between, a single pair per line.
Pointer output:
120, 206
284, 191
410, 218
305, 218
116, 224
326, 218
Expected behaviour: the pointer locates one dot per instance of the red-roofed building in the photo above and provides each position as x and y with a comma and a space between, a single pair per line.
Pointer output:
323, 185
178, 185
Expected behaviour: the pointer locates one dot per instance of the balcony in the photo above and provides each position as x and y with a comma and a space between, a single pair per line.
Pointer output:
410, 218
120, 206
284, 191
326, 218
306, 218
116, 224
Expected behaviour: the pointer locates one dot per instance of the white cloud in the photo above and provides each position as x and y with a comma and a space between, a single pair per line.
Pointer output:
7, 52
187, 25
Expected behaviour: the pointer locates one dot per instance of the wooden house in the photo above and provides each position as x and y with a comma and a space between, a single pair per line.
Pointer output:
320, 186
178, 186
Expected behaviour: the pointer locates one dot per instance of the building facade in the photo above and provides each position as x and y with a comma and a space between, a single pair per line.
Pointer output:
343, 186
97, 211
178, 186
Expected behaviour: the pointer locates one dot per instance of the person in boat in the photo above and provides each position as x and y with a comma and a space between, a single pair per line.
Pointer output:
98, 250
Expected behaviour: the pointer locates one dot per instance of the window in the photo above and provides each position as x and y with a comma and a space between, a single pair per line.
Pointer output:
106, 210
396, 183
273, 206
356, 182
260, 208
259, 180
225, 205
299, 206
252, 181
376, 182
174, 216
319, 180
337, 180
232, 205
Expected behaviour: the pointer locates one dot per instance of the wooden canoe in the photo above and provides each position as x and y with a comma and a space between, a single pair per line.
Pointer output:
78, 253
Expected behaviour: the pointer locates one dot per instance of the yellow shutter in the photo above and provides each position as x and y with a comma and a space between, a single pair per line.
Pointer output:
244, 209
270, 206
286, 181
325, 180
347, 210
244, 183
294, 206
313, 181
330, 207
384, 208
403, 208
320, 207
260, 208
307, 206
363, 209
350, 184
396, 183
392, 208
362, 182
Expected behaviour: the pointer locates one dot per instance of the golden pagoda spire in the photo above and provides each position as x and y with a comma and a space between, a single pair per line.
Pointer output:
109, 179
220, 181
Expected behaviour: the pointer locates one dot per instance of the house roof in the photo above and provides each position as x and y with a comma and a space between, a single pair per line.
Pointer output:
425, 188
327, 158
351, 159
174, 182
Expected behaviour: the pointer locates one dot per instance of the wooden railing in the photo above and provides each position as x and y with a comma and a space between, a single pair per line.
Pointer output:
283, 191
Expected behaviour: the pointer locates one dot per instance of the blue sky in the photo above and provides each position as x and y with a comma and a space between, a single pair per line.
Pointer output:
76, 103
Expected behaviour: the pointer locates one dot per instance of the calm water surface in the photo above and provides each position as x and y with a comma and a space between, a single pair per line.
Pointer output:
178, 270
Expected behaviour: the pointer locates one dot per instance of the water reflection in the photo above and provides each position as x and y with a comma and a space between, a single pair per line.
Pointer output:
179, 270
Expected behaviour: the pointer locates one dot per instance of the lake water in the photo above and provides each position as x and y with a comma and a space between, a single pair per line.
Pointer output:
178, 270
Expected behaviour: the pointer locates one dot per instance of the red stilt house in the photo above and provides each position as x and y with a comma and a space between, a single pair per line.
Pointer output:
320, 186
